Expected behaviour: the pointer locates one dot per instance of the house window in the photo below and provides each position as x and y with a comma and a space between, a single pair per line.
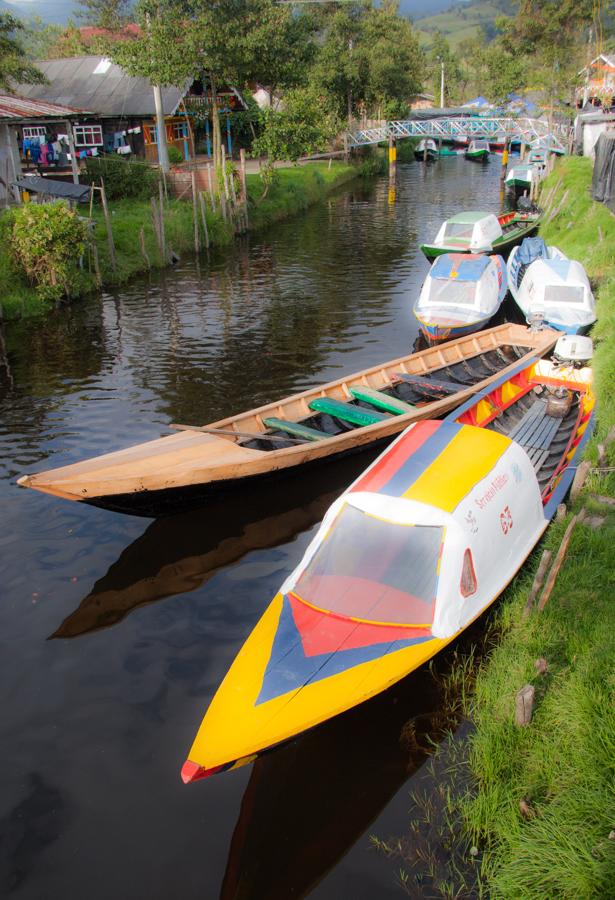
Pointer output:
88, 135
34, 131
150, 134
180, 131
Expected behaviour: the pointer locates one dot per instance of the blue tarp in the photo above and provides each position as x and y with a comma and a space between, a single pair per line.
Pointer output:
467, 268
531, 249
478, 101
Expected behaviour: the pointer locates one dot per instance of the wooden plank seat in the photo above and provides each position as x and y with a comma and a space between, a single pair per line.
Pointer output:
296, 429
430, 386
355, 415
536, 432
381, 400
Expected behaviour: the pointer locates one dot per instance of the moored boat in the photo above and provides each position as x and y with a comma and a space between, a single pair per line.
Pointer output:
482, 232
426, 150
522, 177
549, 287
461, 293
478, 150
412, 553
305, 429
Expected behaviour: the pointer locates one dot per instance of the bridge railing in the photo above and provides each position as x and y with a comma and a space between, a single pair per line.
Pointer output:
532, 132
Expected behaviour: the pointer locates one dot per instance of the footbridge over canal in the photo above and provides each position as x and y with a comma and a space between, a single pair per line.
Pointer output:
531, 132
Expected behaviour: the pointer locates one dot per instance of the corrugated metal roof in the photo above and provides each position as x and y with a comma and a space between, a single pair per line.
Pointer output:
15, 107
97, 84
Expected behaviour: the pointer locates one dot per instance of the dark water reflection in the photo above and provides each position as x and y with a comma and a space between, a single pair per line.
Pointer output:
94, 728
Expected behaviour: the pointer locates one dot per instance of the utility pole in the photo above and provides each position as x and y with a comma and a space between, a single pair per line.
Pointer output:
441, 84
161, 131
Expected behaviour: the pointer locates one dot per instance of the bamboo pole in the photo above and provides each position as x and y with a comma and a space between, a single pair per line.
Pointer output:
103, 197
204, 218
195, 213
163, 238
210, 180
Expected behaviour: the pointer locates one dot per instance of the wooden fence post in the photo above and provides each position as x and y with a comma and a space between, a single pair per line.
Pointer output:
163, 238
143, 250
195, 214
204, 218
103, 196
210, 178
155, 224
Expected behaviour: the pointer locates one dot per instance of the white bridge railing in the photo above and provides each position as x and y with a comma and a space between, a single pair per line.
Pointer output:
532, 132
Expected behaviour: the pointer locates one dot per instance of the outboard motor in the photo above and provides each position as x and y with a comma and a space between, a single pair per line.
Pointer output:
571, 350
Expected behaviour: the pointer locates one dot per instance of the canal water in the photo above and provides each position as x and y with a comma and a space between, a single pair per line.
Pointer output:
116, 631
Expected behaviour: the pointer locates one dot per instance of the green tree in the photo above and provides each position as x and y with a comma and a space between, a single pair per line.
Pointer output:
108, 14
14, 64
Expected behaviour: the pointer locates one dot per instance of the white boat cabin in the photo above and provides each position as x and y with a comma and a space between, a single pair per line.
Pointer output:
463, 287
558, 291
473, 231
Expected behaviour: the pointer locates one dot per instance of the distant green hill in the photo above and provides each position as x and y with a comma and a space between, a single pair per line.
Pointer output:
463, 20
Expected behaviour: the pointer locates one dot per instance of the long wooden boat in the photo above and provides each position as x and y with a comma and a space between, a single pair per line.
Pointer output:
412, 553
482, 232
308, 428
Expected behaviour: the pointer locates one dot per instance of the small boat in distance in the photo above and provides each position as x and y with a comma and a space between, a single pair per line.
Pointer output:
412, 553
549, 287
461, 293
426, 150
522, 178
166, 474
482, 232
478, 150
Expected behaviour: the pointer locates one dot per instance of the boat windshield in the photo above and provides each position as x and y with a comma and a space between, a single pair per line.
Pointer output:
371, 569
563, 293
443, 292
480, 145
459, 230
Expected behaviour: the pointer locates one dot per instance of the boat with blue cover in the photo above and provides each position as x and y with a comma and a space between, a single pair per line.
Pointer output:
461, 293
549, 287
412, 553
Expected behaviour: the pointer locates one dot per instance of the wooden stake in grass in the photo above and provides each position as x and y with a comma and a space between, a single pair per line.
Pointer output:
195, 214
579, 479
559, 559
204, 218
163, 239
143, 250
210, 182
538, 582
524, 705
244, 187
156, 224
96, 261
103, 196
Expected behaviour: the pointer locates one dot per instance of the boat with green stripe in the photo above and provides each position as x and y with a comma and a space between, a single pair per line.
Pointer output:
323, 423
477, 231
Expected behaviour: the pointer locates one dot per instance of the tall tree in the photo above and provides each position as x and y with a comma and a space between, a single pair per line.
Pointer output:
108, 14
14, 64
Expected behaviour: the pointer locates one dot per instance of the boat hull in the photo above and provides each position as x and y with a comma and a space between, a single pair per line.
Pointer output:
477, 155
187, 468
525, 228
438, 332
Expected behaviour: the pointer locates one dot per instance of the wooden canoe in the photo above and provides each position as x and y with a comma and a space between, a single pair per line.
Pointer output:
161, 475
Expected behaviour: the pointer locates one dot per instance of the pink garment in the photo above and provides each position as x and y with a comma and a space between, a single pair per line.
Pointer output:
44, 161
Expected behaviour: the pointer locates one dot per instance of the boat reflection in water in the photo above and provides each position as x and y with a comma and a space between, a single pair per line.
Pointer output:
177, 554
310, 800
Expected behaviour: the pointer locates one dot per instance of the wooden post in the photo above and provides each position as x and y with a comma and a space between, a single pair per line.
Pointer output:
579, 479
559, 559
211, 172
156, 224
103, 197
143, 250
163, 239
227, 195
13, 163
244, 186
96, 261
392, 159
195, 213
346, 150
204, 218
538, 582
504, 165
73, 154
524, 705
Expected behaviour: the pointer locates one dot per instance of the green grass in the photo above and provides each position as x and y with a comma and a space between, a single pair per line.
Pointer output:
563, 763
294, 189
460, 23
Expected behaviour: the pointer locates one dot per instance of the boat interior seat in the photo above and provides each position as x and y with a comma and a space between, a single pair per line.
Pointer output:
346, 412
430, 386
380, 400
296, 429
536, 431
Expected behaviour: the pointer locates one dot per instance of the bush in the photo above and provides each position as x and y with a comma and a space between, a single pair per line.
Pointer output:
46, 243
175, 155
124, 178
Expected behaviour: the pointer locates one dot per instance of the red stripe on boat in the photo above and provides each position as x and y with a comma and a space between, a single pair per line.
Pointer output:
384, 470
192, 771
323, 632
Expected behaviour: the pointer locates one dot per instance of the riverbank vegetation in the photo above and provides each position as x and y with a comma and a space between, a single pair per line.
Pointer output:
538, 817
294, 189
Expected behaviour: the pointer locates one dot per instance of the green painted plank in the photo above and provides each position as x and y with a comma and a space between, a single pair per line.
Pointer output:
356, 415
382, 400
295, 428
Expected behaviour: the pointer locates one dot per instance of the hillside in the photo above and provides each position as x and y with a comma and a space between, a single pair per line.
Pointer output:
463, 20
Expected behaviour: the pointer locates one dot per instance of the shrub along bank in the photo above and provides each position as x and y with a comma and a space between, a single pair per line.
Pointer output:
560, 841
293, 190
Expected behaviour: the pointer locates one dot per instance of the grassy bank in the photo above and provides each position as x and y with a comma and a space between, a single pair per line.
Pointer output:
561, 843
294, 189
